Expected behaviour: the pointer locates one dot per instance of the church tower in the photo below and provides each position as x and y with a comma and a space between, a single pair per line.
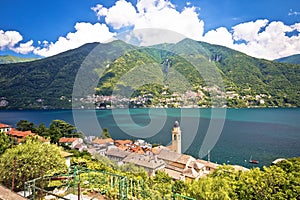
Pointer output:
176, 138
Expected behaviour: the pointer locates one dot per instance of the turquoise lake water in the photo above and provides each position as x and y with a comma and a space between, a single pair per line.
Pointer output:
264, 134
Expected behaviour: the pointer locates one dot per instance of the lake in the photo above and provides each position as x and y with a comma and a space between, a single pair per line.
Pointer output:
231, 135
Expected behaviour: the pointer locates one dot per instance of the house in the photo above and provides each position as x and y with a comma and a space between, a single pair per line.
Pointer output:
116, 154
5, 128
19, 136
150, 163
123, 142
102, 142
67, 156
80, 147
181, 166
209, 166
70, 142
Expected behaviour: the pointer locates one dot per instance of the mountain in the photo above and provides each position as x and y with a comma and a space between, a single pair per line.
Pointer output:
182, 74
13, 59
294, 59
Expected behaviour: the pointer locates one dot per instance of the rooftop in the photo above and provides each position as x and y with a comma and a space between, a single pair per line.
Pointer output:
4, 126
144, 161
123, 142
15, 133
102, 141
116, 152
67, 140
168, 155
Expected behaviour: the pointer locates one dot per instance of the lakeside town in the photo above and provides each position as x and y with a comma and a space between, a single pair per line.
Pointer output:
154, 159
169, 159
167, 99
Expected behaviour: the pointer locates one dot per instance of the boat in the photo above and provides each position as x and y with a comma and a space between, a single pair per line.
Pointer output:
253, 161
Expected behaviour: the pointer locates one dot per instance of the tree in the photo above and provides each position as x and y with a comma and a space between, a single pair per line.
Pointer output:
5, 142
42, 130
60, 128
105, 134
33, 159
24, 125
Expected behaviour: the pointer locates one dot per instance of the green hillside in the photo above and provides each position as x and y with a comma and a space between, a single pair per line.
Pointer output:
166, 75
6, 59
294, 59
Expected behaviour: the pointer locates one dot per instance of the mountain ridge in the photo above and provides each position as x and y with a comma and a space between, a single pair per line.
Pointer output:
6, 59
248, 82
293, 59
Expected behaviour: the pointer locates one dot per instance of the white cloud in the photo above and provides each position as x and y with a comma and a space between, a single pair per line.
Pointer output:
9, 39
120, 15
156, 14
260, 38
220, 36
248, 31
271, 43
85, 33
291, 12
24, 48
155, 21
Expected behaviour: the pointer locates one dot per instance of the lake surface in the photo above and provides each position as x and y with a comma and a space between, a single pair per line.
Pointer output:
231, 135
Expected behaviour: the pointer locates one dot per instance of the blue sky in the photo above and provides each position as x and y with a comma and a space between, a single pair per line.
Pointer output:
267, 28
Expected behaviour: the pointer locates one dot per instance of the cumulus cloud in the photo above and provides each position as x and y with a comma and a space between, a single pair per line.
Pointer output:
120, 15
156, 14
85, 33
260, 38
24, 48
11, 40
150, 18
220, 36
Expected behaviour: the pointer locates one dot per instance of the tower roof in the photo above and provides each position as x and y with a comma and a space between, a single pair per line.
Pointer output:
176, 124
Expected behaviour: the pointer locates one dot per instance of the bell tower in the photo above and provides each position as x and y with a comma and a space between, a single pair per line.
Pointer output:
176, 138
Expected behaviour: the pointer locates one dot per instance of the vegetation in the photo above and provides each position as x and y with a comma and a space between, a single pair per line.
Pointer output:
56, 130
294, 59
13, 59
48, 83
281, 181
33, 159
105, 134
5, 142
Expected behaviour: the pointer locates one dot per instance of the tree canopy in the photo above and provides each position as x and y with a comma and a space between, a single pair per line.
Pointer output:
33, 159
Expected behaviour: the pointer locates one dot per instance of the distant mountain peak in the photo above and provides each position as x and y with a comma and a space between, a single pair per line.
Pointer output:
6, 59
293, 59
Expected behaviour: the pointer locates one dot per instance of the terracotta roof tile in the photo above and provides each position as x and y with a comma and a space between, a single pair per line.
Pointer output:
67, 140
123, 142
15, 133
102, 141
5, 126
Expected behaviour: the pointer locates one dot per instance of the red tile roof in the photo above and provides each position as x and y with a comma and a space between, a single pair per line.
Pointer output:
5, 126
102, 141
122, 142
20, 134
67, 140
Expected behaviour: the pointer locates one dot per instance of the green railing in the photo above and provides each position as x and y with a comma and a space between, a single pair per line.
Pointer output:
80, 180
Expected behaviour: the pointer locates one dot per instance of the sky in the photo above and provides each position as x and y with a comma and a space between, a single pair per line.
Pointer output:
266, 29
